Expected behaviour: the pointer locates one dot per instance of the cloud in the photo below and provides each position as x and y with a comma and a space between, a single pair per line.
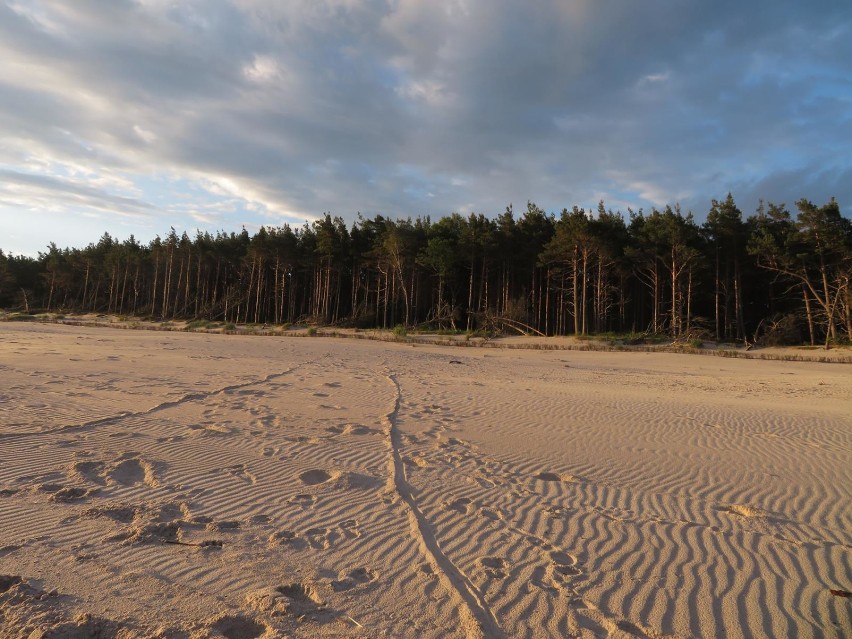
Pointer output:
49, 192
282, 111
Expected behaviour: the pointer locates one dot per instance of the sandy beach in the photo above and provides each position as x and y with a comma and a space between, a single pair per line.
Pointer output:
190, 486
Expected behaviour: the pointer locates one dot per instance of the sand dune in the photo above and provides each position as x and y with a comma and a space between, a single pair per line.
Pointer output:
194, 486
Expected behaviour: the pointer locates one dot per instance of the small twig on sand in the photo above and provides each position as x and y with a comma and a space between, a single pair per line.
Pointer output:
353, 621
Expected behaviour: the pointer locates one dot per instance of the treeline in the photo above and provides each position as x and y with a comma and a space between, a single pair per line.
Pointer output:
775, 274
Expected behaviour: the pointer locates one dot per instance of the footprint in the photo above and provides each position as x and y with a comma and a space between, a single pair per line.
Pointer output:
301, 599
211, 429
67, 494
490, 513
417, 462
542, 578
224, 526
132, 470
494, 567
120, 514
744, 510
321, 538
91, 471
351, 429
350, 528
563, 558
563, 477
285, 537
314, 477
564, 564
355, 578
157, 532
305, 501
485, 482
238, 627
461, 505
239, 471
360, 481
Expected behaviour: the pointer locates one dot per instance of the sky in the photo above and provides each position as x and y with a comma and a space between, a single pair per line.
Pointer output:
134, 116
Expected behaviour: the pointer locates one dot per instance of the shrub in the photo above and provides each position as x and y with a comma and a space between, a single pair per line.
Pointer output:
230, 326
196, 324
400, 331
312, 331
781, 330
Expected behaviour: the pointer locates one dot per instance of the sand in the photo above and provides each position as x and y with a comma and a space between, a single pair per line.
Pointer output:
188, 486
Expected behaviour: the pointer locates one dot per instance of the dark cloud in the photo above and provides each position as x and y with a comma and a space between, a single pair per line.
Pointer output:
407, 107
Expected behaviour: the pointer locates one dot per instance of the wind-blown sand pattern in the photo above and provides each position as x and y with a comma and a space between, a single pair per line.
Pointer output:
190, 486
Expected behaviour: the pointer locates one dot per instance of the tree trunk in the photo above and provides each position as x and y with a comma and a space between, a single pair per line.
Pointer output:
50, 295
809, 315
585, 287
575, 282
717, 298
675, 318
